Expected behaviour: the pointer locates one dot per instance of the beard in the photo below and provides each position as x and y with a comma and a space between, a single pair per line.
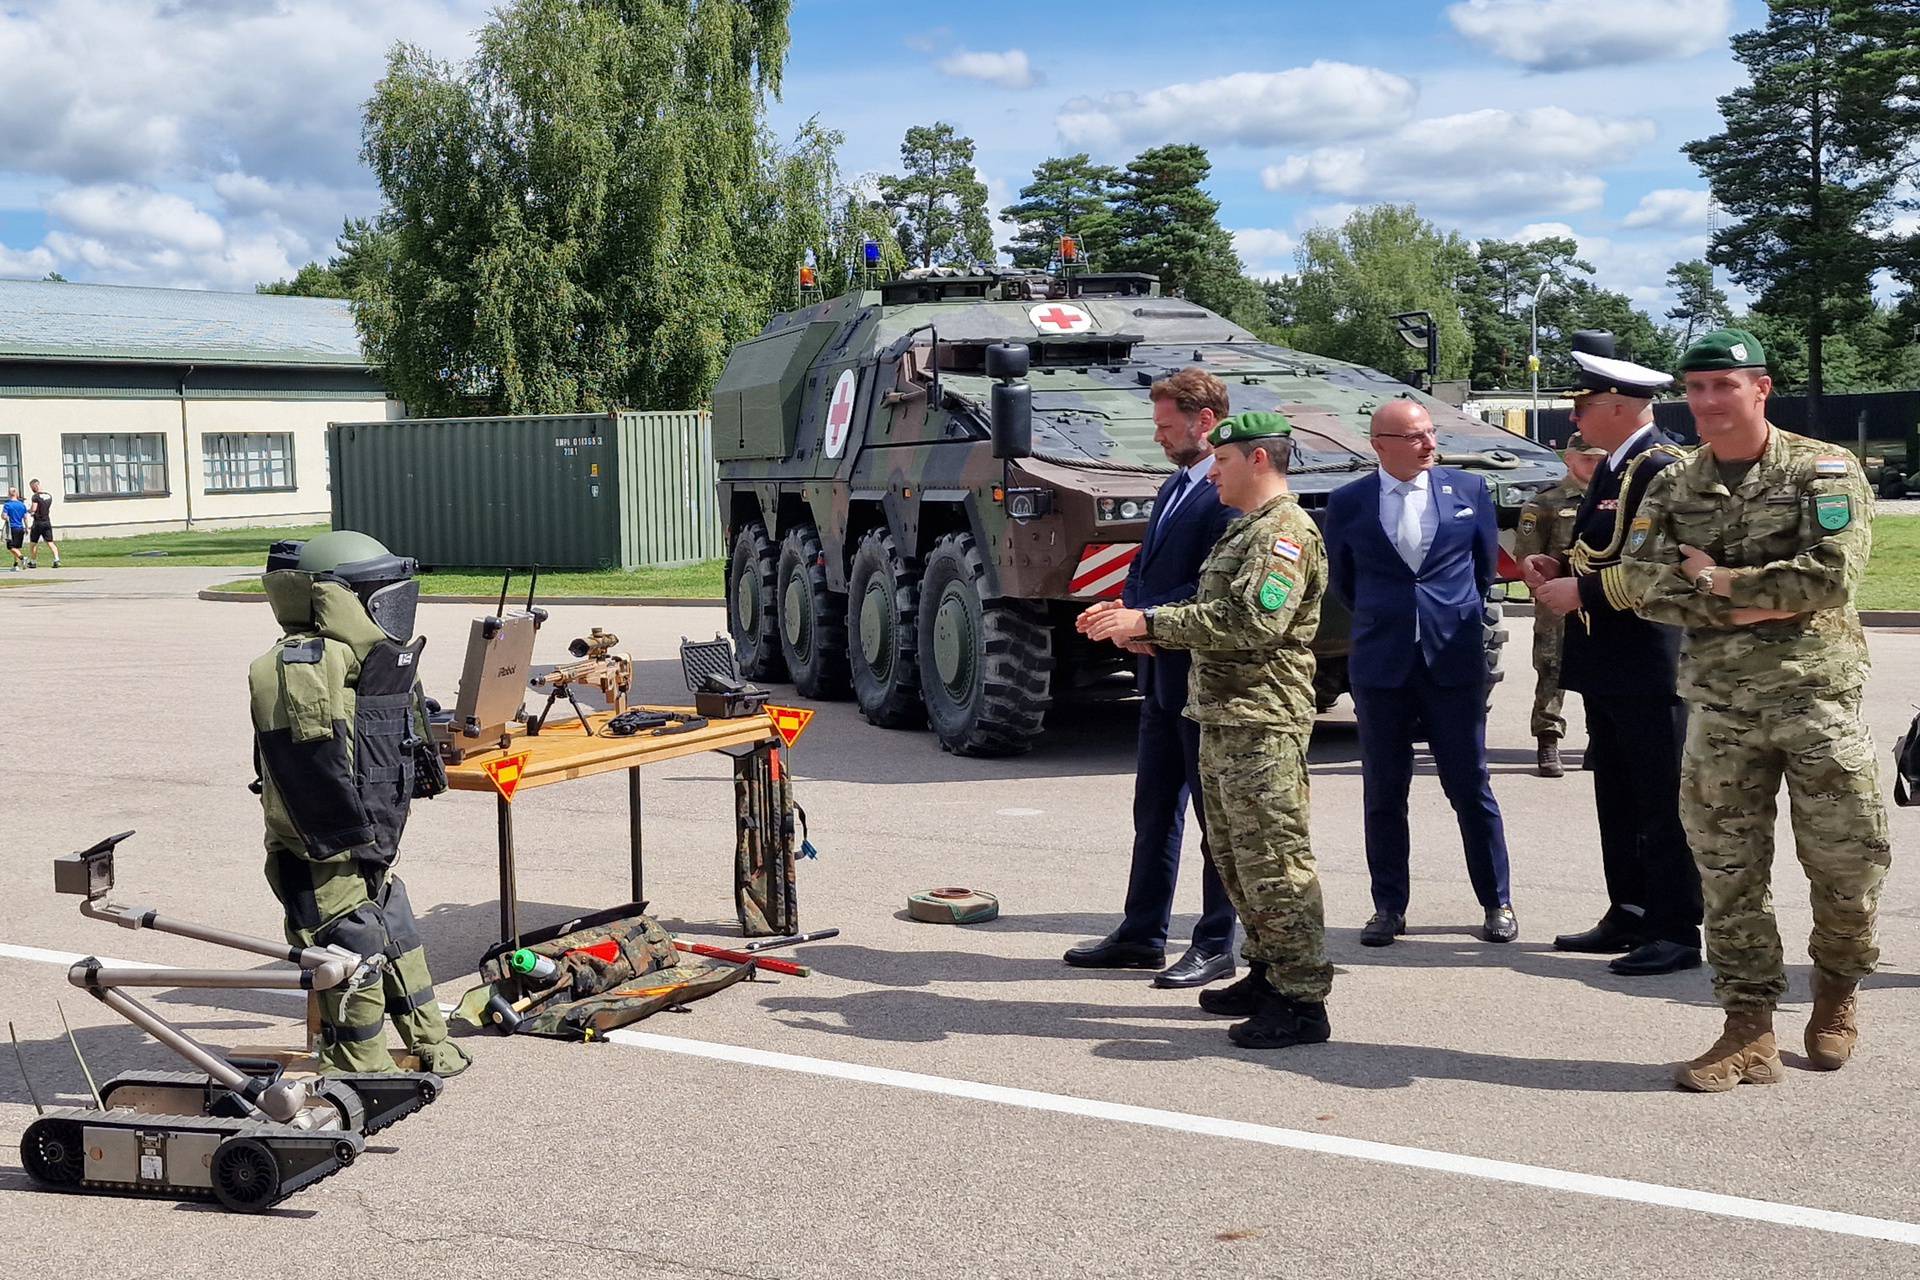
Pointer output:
1184, 456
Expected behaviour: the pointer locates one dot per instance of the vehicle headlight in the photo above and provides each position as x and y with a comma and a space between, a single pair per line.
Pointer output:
1129, 510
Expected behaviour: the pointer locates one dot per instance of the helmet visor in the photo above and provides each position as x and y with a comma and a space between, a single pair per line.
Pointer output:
392, 607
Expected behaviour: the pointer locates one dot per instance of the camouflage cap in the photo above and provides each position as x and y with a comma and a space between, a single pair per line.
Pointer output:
1249, 428
1724, 349
1577, 443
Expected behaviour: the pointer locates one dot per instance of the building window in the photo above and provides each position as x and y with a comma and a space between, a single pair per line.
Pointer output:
248, 463
115, 466
10, 464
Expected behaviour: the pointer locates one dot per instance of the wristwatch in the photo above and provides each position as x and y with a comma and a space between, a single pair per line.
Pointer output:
1703, 580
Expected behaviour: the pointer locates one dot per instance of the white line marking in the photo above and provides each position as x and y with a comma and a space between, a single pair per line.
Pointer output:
67, 959
1786, 1215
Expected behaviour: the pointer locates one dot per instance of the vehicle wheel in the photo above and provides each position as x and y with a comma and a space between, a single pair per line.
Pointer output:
986, 669
1496, 633
752, 616
813, 620
883, 648
246, 1177
53, 1152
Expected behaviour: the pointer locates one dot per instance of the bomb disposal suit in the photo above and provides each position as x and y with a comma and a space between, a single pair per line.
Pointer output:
341, 750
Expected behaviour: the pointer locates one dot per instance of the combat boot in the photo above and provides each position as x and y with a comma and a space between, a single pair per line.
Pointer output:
1832, 1031
1546, 758
444, 1058
1745, 1053
1242, 999
1281, 1023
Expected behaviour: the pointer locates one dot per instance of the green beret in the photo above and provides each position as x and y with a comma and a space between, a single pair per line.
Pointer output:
1248, 428
1724, 349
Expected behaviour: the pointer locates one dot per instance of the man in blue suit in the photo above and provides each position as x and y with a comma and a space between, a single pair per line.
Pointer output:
1188, 518
1411, 551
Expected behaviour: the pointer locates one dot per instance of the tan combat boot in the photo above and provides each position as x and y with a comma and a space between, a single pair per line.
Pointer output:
1744, 1054
1831, 1031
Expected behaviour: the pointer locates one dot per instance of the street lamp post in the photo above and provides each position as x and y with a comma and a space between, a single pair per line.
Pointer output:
1533, 357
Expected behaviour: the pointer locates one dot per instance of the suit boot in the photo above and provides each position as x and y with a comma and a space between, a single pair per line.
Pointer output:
1831, 1031
1546, 758
1281, 1023
1745, 1053
1244, 998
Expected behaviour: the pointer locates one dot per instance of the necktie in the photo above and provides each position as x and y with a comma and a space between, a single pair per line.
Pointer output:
1164, 510
1409, 532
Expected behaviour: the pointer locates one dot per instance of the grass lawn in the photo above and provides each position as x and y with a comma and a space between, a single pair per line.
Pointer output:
692, 581
1893, 575
199, 547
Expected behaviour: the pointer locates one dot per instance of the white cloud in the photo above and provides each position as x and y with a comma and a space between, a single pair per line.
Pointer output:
1009, 70
1544, 231
1558, 35
1674, 208
26, 264
1263, 244
1320, 103
1544, 160
130, 214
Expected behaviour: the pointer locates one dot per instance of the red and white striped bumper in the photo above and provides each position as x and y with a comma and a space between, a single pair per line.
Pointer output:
1102, 570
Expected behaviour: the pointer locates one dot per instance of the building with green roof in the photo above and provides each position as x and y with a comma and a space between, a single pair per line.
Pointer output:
149, 409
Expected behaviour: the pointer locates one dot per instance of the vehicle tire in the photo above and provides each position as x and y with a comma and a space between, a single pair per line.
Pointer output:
752, 615
986, 668
53, 1152
1492, 619
883, 622
813, 619
246, 1177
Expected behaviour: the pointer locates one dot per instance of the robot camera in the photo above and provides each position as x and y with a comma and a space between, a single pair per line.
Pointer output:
88, 873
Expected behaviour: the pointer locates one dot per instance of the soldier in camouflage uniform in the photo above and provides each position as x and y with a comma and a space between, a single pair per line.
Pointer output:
1547, 528
337, 717
1250, 627
1755, 546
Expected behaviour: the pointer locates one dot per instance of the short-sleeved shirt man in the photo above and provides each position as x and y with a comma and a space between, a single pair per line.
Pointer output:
16, 512
42, 505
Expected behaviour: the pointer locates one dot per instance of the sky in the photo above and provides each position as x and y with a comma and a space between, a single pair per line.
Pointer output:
215, 144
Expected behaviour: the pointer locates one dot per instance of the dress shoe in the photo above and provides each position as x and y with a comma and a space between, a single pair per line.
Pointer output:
1501, 925
1382, 929
1111, 953
1244, 998
1195, 969
1656, 957
1617, 931
1546, 759
1281, 1023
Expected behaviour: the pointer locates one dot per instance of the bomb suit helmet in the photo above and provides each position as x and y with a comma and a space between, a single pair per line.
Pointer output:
383, 582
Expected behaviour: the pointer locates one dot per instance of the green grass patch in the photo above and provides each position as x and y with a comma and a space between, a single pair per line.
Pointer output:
702, 581
1893, 574
196, 547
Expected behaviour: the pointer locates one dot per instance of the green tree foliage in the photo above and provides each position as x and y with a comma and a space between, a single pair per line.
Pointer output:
940, 202
1163, 221
1384, 259
1064, 194
1699, 306
54, 277
363, 251
1810, 161
809, 215
588, 213
1497, 288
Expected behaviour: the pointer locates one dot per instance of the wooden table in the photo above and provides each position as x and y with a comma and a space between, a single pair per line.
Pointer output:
562, 752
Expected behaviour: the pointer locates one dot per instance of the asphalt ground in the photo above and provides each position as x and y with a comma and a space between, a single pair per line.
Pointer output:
935, 1100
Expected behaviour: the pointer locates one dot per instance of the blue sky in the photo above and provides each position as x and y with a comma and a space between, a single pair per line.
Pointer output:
141, 143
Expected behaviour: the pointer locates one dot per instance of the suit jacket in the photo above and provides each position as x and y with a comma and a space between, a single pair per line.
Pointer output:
1448, 593
1167, 571
1610, 651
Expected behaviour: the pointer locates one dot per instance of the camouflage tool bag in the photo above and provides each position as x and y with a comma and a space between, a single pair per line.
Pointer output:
615, 968
769, 826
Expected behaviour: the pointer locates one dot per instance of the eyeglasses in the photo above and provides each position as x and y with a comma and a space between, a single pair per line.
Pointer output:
1412, 436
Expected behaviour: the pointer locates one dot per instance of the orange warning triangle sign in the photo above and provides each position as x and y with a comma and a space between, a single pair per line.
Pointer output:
789, 722
505, 773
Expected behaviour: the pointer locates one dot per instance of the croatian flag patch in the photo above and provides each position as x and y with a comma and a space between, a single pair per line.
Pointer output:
1829, 466
1286, 549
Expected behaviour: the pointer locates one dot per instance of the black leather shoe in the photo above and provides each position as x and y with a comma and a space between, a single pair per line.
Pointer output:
1382, 929
1109, 953
1656, 957
1281, 1024
1195, 969
1501, 925
1244, 998
1617, 931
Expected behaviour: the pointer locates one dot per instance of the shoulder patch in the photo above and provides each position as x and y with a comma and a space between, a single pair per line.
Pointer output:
1528, 519
1830, 466
1275, 591
1286, 548
1639, 532
303, 651
1834, 511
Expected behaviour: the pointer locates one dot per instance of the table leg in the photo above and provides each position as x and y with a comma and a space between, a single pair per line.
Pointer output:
635, 846
509, 888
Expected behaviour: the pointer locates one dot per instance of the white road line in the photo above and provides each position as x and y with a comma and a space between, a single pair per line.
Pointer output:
41, 955
1625, 1189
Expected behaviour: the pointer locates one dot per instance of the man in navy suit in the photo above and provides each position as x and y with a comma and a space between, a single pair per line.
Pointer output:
1411, 551
1188, 518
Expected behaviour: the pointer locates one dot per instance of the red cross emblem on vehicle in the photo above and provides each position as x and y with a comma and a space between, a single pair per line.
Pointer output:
1058, 317
839, 414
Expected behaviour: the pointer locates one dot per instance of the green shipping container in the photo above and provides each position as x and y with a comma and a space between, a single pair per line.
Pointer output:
561, 491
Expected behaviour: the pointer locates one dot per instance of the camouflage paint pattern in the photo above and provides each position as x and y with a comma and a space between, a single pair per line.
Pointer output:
1771, 702
1547, 528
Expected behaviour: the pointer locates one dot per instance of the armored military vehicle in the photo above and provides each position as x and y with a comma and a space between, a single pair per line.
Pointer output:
925, 482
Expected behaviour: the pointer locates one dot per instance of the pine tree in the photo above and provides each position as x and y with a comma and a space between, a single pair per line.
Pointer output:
1064, 194
940, 202
1699, 306
1163, 222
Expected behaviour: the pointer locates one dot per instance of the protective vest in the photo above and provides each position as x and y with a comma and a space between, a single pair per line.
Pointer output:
339, 726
